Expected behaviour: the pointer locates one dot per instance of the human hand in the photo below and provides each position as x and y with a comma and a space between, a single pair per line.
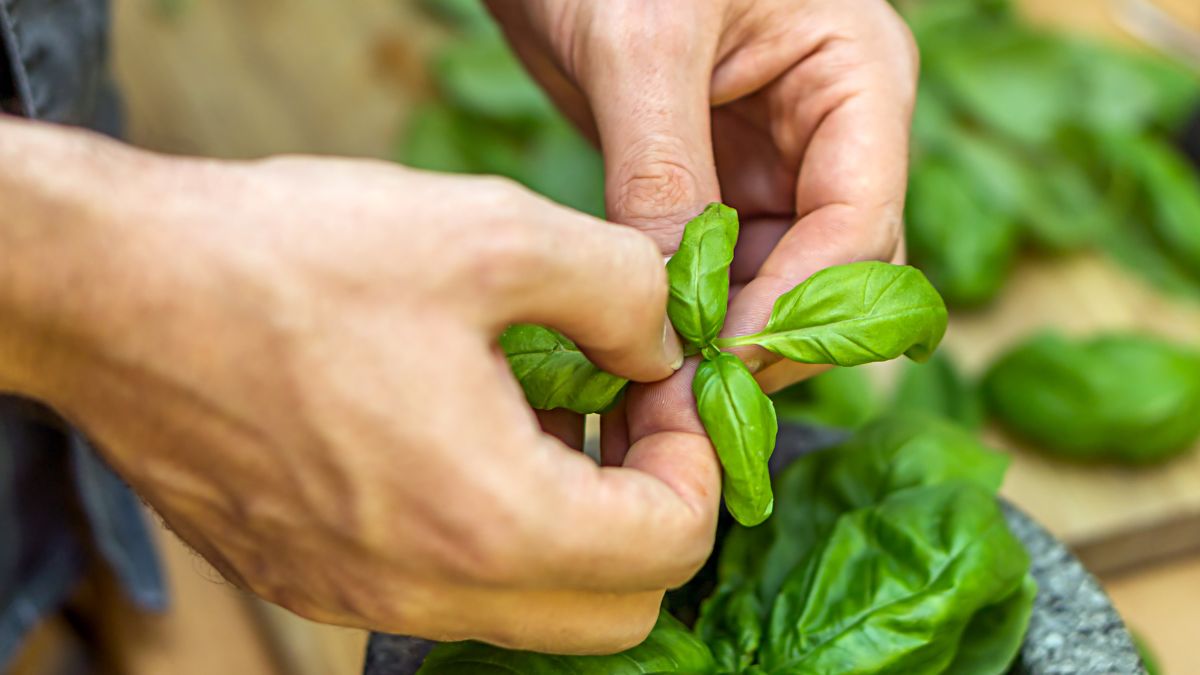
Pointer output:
796, 113
278, 355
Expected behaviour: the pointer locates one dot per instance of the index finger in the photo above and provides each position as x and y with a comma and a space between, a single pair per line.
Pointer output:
850, 187
647, 524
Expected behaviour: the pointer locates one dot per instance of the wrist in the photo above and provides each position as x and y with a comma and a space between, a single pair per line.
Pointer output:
65, 242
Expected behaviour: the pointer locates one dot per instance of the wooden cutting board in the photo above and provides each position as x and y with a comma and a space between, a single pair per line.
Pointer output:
1114, 517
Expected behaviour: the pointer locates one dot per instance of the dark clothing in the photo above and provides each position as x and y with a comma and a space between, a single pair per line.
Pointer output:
59, 504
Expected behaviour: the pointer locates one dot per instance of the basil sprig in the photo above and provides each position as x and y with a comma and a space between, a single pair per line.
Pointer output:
845, 316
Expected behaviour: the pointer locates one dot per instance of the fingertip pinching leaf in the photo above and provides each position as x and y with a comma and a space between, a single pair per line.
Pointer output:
854, 314
740, 420
555, 374
698, 274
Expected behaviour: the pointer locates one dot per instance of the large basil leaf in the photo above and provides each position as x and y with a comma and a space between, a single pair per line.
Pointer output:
894, 453
740, 420
1011, 81
938, 388
1121, 397
555, 374
854, 314
894, 586
670, 648
995, 634
698, 274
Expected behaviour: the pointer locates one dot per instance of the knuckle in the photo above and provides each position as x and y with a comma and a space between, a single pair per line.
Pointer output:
655, 190
497, 258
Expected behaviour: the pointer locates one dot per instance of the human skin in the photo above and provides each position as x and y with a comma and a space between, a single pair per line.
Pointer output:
794, 112
294, 362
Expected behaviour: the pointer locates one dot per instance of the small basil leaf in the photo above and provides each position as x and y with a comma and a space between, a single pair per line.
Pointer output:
670, 648
555, 374
1123, 397
1171, 189
740, 420
965, 244
698, 274
731, 620
732, 626
855, 314
937, 388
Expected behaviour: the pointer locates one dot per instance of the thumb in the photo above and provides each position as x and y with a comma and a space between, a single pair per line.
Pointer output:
648, 84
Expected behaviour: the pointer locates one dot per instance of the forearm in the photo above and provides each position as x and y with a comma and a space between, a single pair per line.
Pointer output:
63, 245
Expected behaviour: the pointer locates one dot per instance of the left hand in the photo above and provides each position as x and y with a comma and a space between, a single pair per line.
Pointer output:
794, 112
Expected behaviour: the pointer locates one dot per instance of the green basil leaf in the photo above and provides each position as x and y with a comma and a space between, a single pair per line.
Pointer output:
1131, 90
698, 274
1149, 660
731, 621
1012, 81
555, 374
483, 76
670, 648
892, 457
740, 420
843, 398
1170, 188
855, 314
1123, 397
891, 454
468, 16
937, 388
893, 587
965, 244
995, 634
732, 626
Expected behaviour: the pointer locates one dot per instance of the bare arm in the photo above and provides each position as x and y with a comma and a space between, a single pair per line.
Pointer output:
277, 356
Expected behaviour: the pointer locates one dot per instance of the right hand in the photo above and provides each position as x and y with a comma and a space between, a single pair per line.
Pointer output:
294, 361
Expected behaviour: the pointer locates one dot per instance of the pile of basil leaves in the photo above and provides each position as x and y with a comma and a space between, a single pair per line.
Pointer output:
888, 554
1026, 138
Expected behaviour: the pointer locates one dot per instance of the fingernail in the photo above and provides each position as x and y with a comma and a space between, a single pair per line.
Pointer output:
672, 348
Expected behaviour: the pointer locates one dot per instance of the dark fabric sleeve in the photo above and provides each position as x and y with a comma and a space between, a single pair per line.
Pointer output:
60, 505
15, 97
57, 54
